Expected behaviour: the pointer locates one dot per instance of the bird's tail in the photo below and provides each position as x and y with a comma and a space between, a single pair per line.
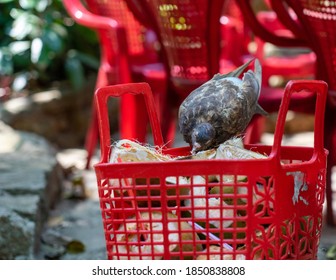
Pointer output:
258, 73
235, 73
260, 110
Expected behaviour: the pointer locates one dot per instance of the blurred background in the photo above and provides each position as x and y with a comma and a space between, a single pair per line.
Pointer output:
42, 50
50, 66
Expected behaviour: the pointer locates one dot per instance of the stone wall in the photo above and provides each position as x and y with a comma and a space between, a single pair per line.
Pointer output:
30, 185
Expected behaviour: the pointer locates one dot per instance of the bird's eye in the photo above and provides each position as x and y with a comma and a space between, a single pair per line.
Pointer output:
203, 137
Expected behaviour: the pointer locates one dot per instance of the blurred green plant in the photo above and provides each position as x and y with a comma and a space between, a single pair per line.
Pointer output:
331, 253
41, 44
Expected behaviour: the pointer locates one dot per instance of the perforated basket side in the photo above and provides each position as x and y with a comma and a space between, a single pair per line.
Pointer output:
268, 208
255, 214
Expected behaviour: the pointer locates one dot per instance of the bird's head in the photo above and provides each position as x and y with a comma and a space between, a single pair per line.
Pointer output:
202, 137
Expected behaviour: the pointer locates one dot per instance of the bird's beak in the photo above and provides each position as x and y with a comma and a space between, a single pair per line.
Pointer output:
195, 148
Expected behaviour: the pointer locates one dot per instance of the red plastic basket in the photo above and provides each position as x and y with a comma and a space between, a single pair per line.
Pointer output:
274, 212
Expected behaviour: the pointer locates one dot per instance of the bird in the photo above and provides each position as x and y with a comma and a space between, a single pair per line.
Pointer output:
221, 108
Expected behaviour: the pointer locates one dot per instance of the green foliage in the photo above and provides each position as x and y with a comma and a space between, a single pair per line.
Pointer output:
40, 44
331, 253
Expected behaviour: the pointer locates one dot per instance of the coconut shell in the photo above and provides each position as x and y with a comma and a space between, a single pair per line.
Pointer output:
215, 254
154, 237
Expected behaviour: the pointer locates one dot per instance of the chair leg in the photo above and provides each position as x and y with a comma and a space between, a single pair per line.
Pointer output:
169, 130
330, 140
255, 130
133, 118
169, 118
91, 139
155, 75
329, 202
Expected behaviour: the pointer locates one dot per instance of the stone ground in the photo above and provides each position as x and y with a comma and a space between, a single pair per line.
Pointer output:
74, 229
31, 182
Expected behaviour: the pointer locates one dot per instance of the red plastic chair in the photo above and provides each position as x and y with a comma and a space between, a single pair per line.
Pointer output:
195, 37
233, 29
267, 28
299, 65
189, 67
317, 25
296, 66
128, 54
314, 28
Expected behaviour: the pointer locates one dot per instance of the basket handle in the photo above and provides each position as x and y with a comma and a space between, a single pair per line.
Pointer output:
101, 97
320, 88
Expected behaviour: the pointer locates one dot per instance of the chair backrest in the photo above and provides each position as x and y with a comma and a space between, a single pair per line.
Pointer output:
318, 26
234, 29
261, 31
136, 34
189, 32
